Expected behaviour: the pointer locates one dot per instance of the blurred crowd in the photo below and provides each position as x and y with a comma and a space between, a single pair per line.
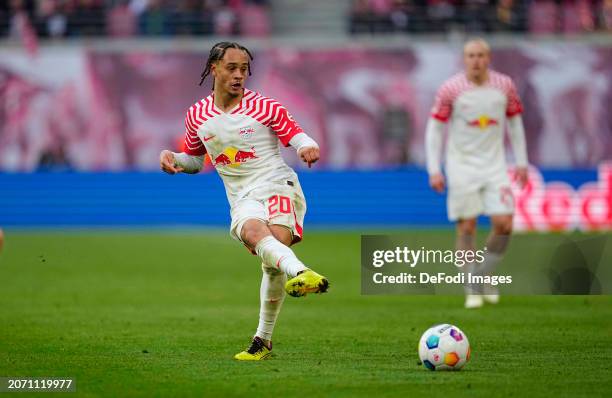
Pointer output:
125, 18
534, 16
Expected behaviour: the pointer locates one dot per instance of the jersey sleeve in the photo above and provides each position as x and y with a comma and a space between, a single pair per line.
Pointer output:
443, 104
193, 144
515, 106
284, 125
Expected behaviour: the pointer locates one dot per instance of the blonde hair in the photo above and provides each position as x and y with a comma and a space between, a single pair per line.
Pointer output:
477, 40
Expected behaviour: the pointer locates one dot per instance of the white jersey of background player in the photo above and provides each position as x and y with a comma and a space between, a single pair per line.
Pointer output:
477, 104
240, 130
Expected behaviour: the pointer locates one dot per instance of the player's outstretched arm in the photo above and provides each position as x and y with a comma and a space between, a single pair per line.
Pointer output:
172, 163
433, 148
307, 148
516, 132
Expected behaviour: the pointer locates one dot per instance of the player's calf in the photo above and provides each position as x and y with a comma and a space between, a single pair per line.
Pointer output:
253, 231
303, 280
258, 237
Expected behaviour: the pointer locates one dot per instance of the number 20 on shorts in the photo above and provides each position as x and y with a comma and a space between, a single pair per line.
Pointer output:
279, 204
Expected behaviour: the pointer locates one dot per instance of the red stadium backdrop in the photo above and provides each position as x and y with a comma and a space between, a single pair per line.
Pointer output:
87, 110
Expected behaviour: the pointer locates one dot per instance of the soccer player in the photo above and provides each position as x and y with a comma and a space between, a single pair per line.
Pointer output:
240, 130
477, 104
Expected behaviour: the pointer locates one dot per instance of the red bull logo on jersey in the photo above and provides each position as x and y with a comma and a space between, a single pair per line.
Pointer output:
243, 156
222, 160
483, 122
233, 157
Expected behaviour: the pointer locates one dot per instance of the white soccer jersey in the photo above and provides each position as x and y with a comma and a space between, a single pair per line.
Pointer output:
477, 116
242, 143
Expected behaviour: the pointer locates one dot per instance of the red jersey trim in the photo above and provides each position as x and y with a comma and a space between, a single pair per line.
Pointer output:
440, 118
514, 113
458, 84
272, 114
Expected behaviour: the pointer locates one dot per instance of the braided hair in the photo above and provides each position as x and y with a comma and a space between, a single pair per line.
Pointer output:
217, 52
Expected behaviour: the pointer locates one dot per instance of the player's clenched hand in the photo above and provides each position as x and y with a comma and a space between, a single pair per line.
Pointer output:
167, 162
521, 176
309, 155
436, 182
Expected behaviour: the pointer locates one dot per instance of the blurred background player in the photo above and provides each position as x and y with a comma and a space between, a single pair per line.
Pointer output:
1, 240
477, 103
239, 129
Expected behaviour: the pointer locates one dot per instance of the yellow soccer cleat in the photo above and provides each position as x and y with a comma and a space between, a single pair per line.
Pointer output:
256, 352
306, 282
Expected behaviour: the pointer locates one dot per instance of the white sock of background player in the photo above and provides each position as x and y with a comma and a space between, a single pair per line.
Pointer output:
277, 255
496, 247
467, 242
272, 294
489, 265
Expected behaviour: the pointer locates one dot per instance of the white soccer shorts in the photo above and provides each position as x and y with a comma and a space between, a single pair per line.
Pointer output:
278, 203
492, 198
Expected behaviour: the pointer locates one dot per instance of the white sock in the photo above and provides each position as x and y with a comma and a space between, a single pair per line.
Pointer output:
278, 255
272, 294
489, 264
487, 267
471, 288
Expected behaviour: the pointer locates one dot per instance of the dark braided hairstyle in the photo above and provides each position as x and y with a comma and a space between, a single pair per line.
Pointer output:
217, 52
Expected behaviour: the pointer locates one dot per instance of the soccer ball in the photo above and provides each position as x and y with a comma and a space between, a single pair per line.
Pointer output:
444, 347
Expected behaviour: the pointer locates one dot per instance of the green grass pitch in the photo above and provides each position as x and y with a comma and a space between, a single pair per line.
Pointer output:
162, 314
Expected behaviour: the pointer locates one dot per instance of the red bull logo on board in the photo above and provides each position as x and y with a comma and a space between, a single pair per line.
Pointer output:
557, 206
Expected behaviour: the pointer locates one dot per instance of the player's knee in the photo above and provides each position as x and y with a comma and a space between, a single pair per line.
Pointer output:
504, 229
253, 231
282, 234
466, 227
503, 226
